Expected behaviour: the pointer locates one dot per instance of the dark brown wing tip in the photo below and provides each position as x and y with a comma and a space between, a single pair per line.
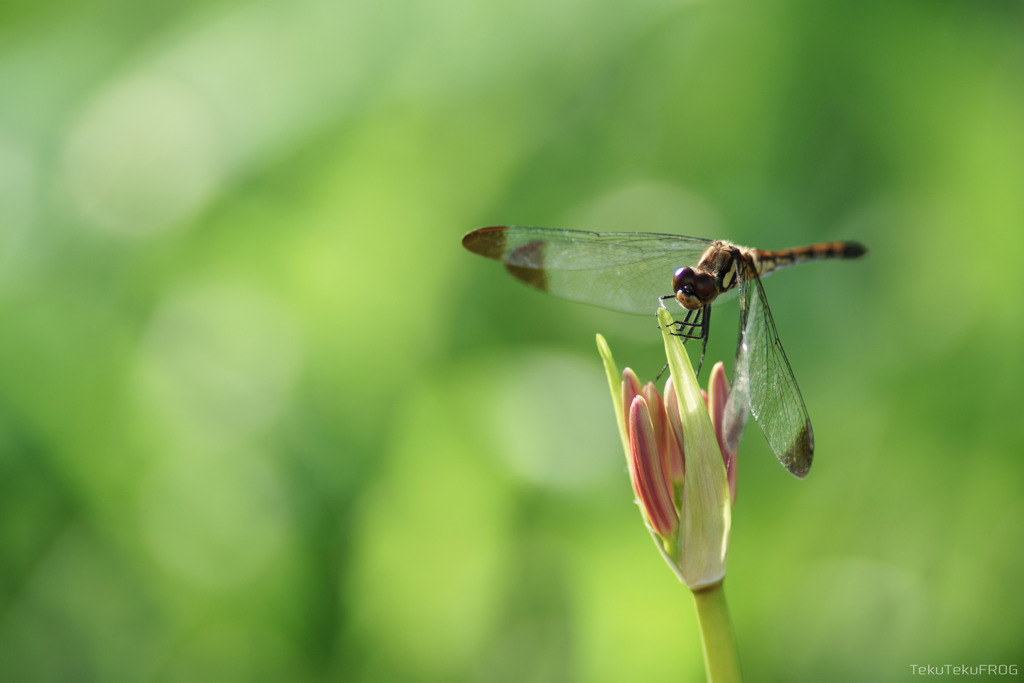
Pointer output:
488, 242
854, 250
798, 459
526, 264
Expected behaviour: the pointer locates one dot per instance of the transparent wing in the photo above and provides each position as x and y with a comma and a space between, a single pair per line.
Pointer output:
765, 384
624, 271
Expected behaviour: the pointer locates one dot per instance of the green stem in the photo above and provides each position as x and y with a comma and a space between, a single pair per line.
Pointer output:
721, 658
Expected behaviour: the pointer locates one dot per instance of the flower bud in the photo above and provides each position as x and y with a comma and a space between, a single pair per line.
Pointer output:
648, 471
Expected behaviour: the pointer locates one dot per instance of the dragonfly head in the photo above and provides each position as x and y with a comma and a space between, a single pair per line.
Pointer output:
694, 289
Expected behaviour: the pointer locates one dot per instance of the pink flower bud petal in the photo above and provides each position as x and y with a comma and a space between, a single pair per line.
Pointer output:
655, 406
718, 386
630, 389
718, 390
647, 471
674, 453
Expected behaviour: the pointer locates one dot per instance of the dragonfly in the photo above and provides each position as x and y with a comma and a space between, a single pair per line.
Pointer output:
631, 271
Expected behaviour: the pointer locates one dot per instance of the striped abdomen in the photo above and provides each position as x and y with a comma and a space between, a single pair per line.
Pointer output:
767, 261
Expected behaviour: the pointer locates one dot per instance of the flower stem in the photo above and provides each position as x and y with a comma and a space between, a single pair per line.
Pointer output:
721, 658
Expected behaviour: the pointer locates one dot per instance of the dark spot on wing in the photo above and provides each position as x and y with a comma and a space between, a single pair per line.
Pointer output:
526, 263
799, 456
489, 242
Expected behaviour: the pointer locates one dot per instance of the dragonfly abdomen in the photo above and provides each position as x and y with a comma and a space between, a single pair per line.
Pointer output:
767, 261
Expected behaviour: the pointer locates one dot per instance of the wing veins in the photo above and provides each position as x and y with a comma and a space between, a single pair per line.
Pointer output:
765, 383
623, 271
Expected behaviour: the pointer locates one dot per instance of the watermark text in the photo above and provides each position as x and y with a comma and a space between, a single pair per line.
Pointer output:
963, 669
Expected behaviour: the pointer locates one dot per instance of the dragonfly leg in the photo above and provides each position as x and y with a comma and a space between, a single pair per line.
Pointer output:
680, 324
695, 325
705, 328
658, 378
692, 326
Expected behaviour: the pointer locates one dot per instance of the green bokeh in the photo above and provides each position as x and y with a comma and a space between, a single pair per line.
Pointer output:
262, 418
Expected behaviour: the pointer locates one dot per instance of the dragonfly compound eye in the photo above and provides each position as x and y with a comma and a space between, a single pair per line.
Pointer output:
688, 285
694, 289
682, 281
704, 286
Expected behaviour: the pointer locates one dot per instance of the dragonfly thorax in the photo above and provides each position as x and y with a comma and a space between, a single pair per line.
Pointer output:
694, 289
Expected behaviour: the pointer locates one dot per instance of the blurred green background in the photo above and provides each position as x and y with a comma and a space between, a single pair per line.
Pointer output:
263, 419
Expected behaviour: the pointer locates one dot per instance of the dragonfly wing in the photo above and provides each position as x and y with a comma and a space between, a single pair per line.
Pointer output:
623, 271
764, 382
737, 407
